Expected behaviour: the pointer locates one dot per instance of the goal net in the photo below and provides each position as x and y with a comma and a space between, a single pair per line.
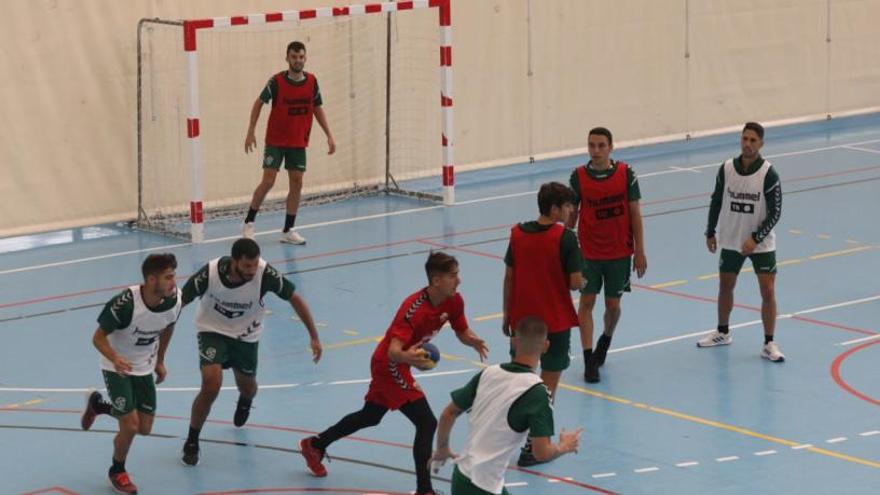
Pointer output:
385, 79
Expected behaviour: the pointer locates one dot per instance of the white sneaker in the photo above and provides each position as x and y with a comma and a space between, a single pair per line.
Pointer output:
247, 230
771, 351
291, 237
715, 338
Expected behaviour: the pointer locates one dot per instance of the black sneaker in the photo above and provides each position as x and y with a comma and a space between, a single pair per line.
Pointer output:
91, 411
602, 346
591, 369
241, 414
190, 454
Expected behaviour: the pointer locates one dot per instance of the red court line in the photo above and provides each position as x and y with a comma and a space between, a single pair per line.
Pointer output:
54, 489
835, 372
308, 432
693, 297
358, 491
358, 249
370, 247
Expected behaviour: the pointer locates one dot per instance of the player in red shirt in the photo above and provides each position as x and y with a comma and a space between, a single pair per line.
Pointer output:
295, 99
418, 320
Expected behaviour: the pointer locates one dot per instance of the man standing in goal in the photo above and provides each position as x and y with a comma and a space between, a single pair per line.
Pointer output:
295, 99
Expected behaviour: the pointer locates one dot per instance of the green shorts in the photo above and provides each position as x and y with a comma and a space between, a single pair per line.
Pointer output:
462, 485
128, 393
614, 274
556, 358
293, 158
732, 261
227, 352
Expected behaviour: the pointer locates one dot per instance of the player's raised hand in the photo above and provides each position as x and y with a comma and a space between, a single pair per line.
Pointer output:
250, 142
570, 440
317, 350
479, 345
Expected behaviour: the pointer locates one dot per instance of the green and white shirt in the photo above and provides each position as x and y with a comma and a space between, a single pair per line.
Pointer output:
746, 203
234, 310
507, 403
133, 329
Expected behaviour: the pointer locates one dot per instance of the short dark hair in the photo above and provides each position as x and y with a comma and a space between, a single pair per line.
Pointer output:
155, 264
439, 263
553, 194
758, 128
601, 131
530, 332
245, 248
295, 46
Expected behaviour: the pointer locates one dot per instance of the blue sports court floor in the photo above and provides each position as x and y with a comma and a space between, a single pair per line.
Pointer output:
666, 418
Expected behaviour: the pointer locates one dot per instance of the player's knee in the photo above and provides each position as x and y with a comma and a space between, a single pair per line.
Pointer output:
612, 306
429, 424
768, 293
129, 423
587, 303
145, 427
211, 386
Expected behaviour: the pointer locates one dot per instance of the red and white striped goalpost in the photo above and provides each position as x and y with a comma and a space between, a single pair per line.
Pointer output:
190, 46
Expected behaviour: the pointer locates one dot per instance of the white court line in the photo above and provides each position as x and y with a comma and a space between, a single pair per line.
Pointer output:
516, 483
836, 440
196, 389
867, 150
728, 458
765, 452
390, 214
869, 433
863, 339
646, 470
755, 322
802, 446
687, 464
604, 475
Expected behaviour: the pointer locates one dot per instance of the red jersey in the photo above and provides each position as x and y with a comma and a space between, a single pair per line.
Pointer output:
417, 321
604, 226
540, 284
293, 107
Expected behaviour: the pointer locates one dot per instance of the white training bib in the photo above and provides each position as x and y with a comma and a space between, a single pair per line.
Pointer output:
138, 343
233, 312
743, 209
492, 443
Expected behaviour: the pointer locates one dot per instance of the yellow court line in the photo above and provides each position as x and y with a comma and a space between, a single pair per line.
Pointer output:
823, 236
639, 405
840, 253
716, 424
707, 277
349, 332
796, 231
349, 343
22, 404
708, 422
852, 241
672, 283
489, 317
789, 262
